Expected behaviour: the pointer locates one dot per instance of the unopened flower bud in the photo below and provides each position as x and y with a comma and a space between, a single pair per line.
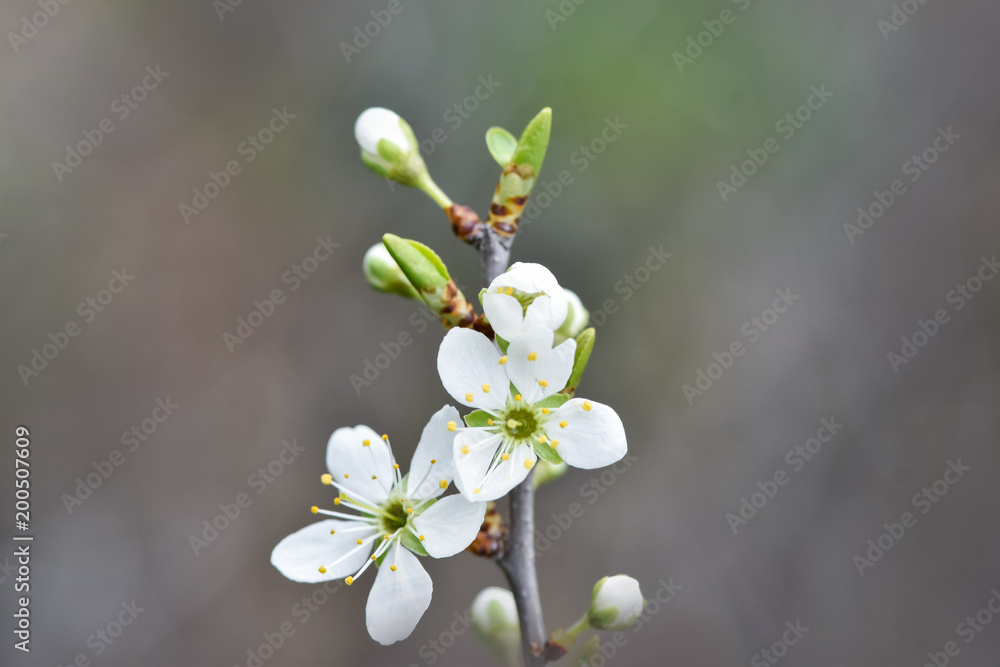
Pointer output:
390, 149
576, 318
616, 604
383, 273
494, 619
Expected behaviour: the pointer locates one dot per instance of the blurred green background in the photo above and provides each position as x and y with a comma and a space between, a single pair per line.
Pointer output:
655, 186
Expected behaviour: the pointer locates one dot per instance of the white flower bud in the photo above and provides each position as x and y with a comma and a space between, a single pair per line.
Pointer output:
494, 611
375, 124
383, 273
617, 603
576, 318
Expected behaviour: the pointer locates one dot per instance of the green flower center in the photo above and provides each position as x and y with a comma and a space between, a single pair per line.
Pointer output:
519, 424
395, 516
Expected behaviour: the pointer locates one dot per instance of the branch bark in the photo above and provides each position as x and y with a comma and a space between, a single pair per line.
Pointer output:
518, 559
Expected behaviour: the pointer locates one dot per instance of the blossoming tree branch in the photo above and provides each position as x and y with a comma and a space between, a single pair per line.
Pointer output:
515, 367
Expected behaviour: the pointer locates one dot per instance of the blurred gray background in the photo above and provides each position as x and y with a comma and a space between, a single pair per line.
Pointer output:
656, 184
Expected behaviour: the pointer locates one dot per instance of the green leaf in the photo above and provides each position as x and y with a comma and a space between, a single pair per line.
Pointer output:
534, 142
553, 401
478, 418
412, 542
584, 346
547, 453
501, 144
422, 267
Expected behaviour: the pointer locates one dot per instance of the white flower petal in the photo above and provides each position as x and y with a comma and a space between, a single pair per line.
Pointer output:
436, 443
548, 310
508, 474
450, 525
375, 124
300, 555
471, 467
505, 313
469, 366
398, 598
535, 368
353, 464
592, 438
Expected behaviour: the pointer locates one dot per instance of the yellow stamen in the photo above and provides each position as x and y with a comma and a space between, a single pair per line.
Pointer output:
478, 491
433, 461
333, 532
346, 476
509, 291
422, 539
532, 356
327, 479
555, 443
392, 567
587, 405
503, 360
314, 509
349, 581
545, 411
517, 398
359, 541
543, 383
563, 424
374, 476
409, 510
452, 426
385, 436
386, 536
395, 466
443, 484
490, 422
322, 570
468, 396
506, 457
486, 389
336, 501
542, 439
465, 450
528, 463
511, 423
366, 442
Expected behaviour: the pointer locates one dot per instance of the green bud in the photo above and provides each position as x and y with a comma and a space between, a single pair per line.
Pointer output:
383, 273
584, 346
519, 173
427, 273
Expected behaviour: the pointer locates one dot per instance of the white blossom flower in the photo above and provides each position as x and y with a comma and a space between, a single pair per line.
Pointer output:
527, 295
398, 517
520, 413
617, 603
